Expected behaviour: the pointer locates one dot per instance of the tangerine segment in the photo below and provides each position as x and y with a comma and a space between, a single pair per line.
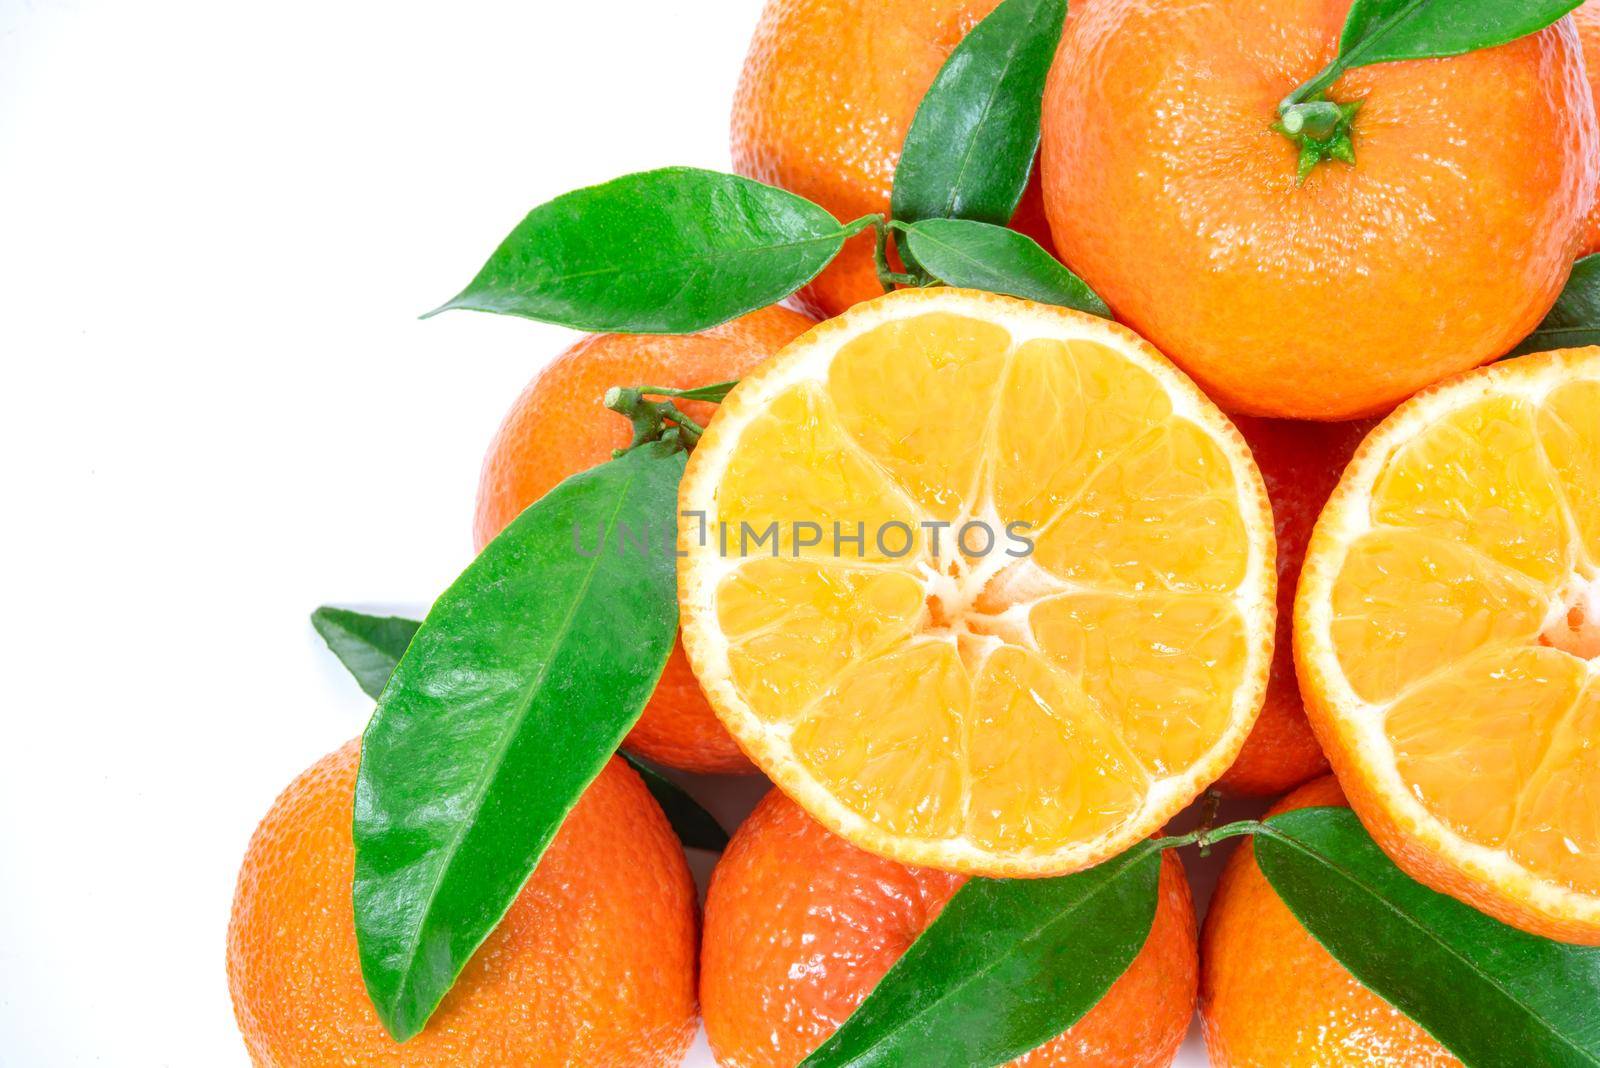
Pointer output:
953, 364
1027, 699
1566, 428
1557, 824
1161, 666
1028, 723
1069, 407
793, 626
801, 467
1505, 707
1161, 515
1407, 605
1448, 634
1478, 478
877, 742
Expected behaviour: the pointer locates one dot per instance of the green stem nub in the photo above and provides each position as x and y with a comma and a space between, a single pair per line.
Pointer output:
1320, 128
661, 420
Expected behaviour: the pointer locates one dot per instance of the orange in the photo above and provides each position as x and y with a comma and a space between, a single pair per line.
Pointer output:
593, 964
1447, 631
1438, 250
1044, 680
824, 104
801, 925
559, 426
1587, 19
1301, 463
1272, 997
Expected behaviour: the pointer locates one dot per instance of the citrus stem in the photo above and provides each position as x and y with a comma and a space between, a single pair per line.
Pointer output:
1320, 128
1316, 87
1206, 837
713, 393
1316, 119
888, 277
661, 420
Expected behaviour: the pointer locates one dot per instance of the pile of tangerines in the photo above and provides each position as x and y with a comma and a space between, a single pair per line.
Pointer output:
1439, 525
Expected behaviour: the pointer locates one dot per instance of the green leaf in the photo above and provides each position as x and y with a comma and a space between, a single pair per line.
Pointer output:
514, 693
1574, 322
368, 646
694, 826
971, 145
1007, 966
976, 255
1382, 31
661, 252
1492, 995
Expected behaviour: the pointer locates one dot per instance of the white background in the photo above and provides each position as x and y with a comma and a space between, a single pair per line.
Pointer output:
218, 223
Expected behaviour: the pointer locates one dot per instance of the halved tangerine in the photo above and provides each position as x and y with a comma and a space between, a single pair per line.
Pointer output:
984, 585
1447, 629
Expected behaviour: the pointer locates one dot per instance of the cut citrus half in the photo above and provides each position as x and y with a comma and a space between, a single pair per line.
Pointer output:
984, 585
1447, 630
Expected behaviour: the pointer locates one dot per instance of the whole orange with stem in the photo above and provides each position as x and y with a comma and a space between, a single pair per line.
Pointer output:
593, 964
1301, 463
560, 426
801, 925
1587, 20
1442, 245
1272, 997
827, 95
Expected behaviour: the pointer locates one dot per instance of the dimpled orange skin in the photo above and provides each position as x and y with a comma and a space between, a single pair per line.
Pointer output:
1301, 463
1440, 249
1272, 997
827, 95
559, 426
801, 925
1587, 20
593, 965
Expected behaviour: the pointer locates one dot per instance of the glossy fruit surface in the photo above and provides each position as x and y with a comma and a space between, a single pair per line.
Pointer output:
559, 426
800, 925
593, 964
944, 690
1587, 20
1272, 997
827, 95
1447, 631
1301, 463
1438, 250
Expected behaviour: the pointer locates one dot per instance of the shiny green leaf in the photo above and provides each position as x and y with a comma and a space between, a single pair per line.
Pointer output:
694, 826
1574, 322
976, 255
371, 646
513, 694
971, 145
368, 646
1494, 996
1382, 31
1007, 966
660, 252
